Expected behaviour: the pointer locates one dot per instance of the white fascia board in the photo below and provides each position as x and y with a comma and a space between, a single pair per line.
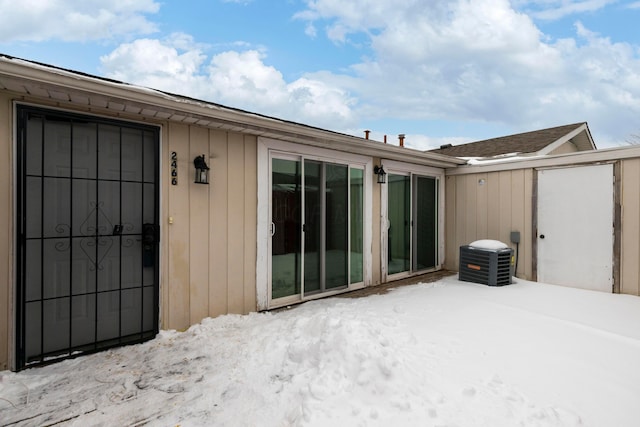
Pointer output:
580, 157
560, 141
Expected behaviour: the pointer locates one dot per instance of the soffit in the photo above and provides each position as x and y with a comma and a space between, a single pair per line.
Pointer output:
583, 141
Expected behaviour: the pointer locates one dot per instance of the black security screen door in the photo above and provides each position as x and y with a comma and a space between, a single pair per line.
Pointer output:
87, 234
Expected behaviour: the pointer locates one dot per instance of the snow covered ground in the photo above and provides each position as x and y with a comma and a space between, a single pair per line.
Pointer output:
442, 354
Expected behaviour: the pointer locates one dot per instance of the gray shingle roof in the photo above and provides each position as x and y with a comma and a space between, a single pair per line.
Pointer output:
528, 142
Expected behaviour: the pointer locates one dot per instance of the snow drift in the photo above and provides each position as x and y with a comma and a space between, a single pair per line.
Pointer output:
448, 353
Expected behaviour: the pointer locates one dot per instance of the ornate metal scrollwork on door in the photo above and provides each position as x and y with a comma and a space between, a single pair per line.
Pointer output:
97, 236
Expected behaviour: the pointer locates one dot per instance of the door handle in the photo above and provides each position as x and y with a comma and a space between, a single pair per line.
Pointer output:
273, 228
542, 236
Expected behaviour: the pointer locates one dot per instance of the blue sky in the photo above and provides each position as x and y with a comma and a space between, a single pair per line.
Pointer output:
439, 71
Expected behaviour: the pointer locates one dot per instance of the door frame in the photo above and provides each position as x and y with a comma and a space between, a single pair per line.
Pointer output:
14, 268
267, 148
410, 169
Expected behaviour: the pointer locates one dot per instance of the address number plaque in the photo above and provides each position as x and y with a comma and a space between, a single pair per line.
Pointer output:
174, 168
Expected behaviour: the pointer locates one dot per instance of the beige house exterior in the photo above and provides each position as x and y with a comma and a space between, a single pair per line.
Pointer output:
490, 201
220, 245
106, 238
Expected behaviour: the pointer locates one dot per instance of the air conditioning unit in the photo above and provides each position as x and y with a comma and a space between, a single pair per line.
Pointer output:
488, 266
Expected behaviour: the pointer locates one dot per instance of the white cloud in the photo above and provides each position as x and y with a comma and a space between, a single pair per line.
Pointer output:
243, 78
239, 79
481, 60
556, 9
171, 64
477, 61
74, 20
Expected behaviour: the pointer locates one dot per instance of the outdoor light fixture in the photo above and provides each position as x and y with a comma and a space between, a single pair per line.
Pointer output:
382, 175
202, 170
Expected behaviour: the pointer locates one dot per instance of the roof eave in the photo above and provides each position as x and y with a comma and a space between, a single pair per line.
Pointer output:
246, 122
573, 135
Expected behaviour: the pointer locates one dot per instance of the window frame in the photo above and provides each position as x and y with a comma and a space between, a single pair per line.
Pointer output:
267, 150
411, 170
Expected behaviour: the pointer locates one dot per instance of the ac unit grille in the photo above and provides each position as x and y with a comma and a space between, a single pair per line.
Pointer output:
486, 266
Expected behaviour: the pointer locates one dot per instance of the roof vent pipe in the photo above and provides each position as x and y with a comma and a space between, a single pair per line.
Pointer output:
366, 134
385, 139
401, 138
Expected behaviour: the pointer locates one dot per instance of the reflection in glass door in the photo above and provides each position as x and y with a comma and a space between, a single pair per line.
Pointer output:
336, 226
313, 226
286, 203
316, 210
399, 216
356, 214
412, 214
425, 240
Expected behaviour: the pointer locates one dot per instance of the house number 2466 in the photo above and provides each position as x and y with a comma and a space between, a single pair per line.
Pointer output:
174, 168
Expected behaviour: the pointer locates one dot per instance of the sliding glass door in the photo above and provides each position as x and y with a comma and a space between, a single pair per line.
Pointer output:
412, 223
316, 226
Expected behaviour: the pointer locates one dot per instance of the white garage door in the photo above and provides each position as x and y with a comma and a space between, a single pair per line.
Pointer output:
575, 227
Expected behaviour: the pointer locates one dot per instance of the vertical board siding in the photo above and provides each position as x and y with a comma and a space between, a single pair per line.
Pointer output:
250, 221
471, 211
178, 315
504, 204
630, 241
212, 242
482, 205
235, 224
6, 230
521, 192
489, 206
219, 233
493, 204
199, 220
461, 206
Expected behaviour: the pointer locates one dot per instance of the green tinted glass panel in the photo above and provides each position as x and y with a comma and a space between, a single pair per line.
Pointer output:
285, 214
313, 207
336, 225
399, 215
425, 223
357, 223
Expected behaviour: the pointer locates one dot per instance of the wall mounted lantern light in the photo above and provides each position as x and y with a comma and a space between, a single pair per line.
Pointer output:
382, 175
202, 170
